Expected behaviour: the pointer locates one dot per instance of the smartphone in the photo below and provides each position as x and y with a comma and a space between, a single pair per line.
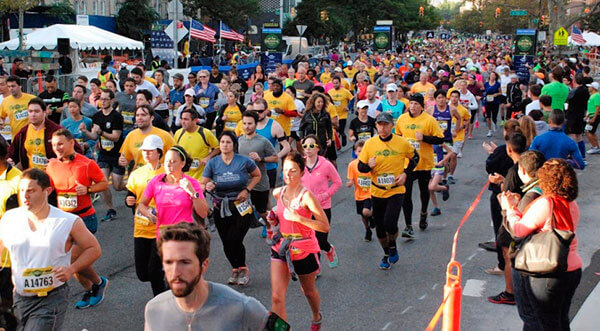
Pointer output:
276, 323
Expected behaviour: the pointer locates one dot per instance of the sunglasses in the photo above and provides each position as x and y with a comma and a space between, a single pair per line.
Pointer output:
203, 76
305, 146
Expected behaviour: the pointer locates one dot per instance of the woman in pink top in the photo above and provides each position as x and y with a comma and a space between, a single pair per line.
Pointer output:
543, 301
295, 245
175, 194
319, 172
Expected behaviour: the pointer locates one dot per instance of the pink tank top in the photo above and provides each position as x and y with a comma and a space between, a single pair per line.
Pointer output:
299, 248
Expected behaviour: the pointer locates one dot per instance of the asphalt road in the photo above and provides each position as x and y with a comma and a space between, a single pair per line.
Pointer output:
357, 295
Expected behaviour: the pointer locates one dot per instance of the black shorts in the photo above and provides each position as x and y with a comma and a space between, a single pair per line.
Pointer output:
305, 266
272, 174
574, 126
260, 199
504, 239
331, 154
594, 125
362, 204
111, 163
6, 285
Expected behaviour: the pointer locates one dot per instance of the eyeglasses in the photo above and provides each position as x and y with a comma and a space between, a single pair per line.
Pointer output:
260, 110
203, 76
191, 77
305, 146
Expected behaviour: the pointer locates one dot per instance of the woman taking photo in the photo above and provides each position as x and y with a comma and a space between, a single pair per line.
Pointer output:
148, 266
316, 120
493, 93
543, 301
176, 195
229, 178
258, 76
298, 216
229, 114
319, 173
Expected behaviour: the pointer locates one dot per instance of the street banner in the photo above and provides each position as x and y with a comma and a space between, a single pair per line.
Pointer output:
382, 38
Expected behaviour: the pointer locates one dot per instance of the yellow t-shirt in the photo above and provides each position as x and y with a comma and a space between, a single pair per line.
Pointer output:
239, 129
9, 186
284, 102
465, 116
407, 127
350, 72
138, 179
371, 71
405, 102
421, 88
341, 98
234, 115
16, 111
194, 145
133, 141
35, 147
325, 77
390, 158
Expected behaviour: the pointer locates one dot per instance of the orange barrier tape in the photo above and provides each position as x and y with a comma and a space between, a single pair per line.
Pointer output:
453, 281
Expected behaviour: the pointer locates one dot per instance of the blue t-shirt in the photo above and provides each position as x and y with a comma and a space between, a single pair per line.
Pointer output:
73, 127
491, 89
396, 110
230, 179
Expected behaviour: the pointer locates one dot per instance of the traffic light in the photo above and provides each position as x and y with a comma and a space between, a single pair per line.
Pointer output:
497, 12
421, 11
542, 20
587, 10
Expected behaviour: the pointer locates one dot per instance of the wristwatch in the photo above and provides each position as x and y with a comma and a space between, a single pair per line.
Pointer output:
196, 195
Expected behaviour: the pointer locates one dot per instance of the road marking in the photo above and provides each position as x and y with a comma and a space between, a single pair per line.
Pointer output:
422, 296
434, 286
472, 256
474, 288
387, 326
405, 310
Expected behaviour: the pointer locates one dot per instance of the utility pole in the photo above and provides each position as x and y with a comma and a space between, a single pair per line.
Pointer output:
175, 30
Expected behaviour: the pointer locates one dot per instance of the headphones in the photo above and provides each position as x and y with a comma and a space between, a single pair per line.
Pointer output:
70, 157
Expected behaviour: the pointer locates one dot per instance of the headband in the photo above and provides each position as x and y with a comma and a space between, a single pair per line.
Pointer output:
180, 151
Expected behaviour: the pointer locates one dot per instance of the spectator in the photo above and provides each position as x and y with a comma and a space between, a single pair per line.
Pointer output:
556, 144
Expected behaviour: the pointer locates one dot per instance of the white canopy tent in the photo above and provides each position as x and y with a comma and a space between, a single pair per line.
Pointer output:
591, 39
81, 37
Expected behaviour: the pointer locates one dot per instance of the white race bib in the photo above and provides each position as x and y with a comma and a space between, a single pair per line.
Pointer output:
588, 127
195, 164
415, 144
364, 136
385, 179
38, 280
204, 102
299, 94
337, 103
230, 125
107, 144
443, 125
364, 182
127, 117
39, 160
489, 98
244, 208
67, 202
141, 219
21, 115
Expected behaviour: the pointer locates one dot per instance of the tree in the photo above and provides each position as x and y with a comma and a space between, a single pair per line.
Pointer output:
18, 6
235, 13
63, 10
135, 17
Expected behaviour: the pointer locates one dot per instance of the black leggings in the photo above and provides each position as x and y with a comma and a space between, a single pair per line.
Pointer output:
232, 231
473, 113
210, 118
386, 212
423, 176
322, 236
496, 212
148, 266
491, 111
342, 129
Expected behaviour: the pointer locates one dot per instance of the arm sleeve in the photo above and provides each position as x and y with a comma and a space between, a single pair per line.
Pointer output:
493, 161
576, 154
433, 140
412, 162
363, 167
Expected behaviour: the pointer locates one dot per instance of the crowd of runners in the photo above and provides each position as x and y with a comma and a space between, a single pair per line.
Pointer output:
213, 152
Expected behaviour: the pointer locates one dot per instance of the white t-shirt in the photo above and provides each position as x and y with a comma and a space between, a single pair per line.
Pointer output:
296, 120
532, 106
504, 80
146, 85
372, 111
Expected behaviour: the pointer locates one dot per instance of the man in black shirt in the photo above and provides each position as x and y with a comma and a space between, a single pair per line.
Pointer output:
215, 76
362, 127
55, 98
66, 65
575, 112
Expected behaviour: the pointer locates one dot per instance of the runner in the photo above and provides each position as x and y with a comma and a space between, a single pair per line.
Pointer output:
143, 84
444, 114
55, 98
144, 97
460, 129
422, 131
75, 178
341, 97
391, 104
199, 142
437, 173
295, 125
492, 100
125, 103
295, 246
41, 272
14, 107
319, 172
148, 267
206, 93
230, 178
362, 127
73, 123
303, 85
281, 105
188, 104
593, 118
108, 126
422, 86
230, 114
362, 191
162, 109
129, 149
385, 156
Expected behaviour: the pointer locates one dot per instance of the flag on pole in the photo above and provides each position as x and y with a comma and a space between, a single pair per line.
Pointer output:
202, 32
576, 36
229, 33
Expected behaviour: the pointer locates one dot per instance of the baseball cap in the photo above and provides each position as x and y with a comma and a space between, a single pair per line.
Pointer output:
594, 85
385, 117
178, 76
391, 87
471, 76
123, 64
362, 104
152, 142
349, 63
338, 69
190, 91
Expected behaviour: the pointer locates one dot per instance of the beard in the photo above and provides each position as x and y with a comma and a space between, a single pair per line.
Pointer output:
278, 94
189, 286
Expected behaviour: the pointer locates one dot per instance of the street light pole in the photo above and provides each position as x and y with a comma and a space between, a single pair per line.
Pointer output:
175, 37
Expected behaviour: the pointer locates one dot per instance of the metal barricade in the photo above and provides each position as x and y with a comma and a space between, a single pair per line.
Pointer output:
36, 84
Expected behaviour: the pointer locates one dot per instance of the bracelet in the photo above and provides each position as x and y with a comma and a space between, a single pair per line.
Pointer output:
89, 191
245, 188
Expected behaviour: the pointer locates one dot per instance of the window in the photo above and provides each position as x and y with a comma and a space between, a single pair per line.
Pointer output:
103, 7
95, 8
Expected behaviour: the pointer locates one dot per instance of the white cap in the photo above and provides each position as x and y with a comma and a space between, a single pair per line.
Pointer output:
338, 69
123, 64
594, 85
152, 142
362, 104
190, 91
349, 63
391, 87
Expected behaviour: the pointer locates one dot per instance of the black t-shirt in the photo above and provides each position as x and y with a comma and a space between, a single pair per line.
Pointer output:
55, 100
108, 123
577, 101
363, 130
215, 80
512, 181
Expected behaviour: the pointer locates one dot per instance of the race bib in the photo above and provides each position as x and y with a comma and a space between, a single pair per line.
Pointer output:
244, 208
107, 144
299, 94
6, 132
21, 115
489, 98
204, 102
364, 136
195, 164
588, 127
443, 125
230, 125
503, 89
364, 182
141, 219
38, 280
337, 103
385, 179
79, 141
127, 117
67, 202
415, 144
39, 160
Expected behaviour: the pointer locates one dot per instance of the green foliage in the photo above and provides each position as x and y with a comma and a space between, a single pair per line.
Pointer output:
234, 13
15, 5
64, 11
135, 17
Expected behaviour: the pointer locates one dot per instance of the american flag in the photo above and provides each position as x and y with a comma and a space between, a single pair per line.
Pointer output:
229, 33
576, 36
202, 32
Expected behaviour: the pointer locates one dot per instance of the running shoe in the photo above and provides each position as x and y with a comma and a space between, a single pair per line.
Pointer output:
264, 232
436, 211
85, 301
385, 263
494, 271
470, 136
451, 179
444, 182
408, 232
423, 221
332, 257
394, 257
98, 292
372, 222
446, 193
502, 122
368, 235
488, 246
459, 155
243, 276
110, 215
235, 274
489, 134
316, 325
593, 150
476, 124
504, 298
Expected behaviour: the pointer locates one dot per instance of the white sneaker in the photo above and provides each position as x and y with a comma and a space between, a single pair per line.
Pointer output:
593, 150
495, 127
489, 133
459, 155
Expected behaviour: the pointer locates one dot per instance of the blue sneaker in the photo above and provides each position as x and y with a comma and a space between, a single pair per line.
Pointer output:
110, 215
436, 211
264, 232
385, 263
85, 301
394, 257
98, 292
